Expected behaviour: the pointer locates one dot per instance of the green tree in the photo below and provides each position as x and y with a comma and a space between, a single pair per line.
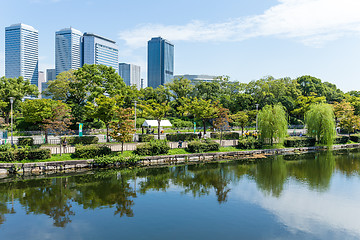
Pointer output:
320, 122
155, 110
103, 109
123, 126
202, 110
59, 88
17, 88
344, 113
222, 121
51, 115
84, 85
273, 124
241, 119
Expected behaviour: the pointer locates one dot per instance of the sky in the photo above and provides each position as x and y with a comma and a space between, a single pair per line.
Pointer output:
245, 40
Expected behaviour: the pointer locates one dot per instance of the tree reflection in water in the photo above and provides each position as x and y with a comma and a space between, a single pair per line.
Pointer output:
117, 189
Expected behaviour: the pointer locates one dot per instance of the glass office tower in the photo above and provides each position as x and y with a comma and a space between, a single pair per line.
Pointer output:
130, 73
100, 50
67, 50
160, 62
22, 52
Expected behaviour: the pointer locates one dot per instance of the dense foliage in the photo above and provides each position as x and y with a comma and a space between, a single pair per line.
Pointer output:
91, 151
155, 147
320, 123
205, 145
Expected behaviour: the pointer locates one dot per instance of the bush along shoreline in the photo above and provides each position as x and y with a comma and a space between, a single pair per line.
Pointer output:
104, 155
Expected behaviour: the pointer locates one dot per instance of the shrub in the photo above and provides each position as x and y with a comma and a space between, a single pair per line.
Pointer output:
7, 156
25, 154
249, 143
341, 139
226, 135
203, 146
295, 142
145, 137
39, 154
5, 147
181, 136
355, 138
85, 140
178, 123
27, 141
91, 151
155, 147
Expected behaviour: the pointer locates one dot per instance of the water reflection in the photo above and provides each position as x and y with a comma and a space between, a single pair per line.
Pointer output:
118, 190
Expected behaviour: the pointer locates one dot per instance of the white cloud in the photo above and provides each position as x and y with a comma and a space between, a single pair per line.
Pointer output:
312, 22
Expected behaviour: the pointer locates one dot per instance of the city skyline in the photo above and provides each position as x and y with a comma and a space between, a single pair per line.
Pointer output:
244, 40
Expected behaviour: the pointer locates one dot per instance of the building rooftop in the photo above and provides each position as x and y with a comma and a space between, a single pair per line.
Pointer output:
98, 36
21, 25
70, 29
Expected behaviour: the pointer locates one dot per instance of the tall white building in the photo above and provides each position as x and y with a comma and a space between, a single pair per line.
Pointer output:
67, 50
130, 73
100, 50
22, 52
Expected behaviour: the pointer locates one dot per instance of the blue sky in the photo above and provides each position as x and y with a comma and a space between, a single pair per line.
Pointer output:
243, 39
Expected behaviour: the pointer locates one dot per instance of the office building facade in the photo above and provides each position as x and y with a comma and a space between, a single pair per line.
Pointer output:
50, 74
130, 73
100, 50
160, 62
197, 78
67, 50
22, 52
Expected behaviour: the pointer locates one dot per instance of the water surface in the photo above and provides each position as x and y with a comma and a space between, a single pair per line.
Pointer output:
311, 196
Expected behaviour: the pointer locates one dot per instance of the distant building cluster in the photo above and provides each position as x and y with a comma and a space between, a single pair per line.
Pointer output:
73, 49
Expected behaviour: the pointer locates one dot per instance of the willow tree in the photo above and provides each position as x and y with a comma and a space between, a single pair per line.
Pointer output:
320, 122
273, 124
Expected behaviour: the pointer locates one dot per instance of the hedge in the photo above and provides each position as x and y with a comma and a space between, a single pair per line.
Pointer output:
249, 143
181, 136
91, 151
226, 135
85, 140
27, 141
355, 138
203, 146
341, 139
145, 137
299, 142
23, 154
155, 147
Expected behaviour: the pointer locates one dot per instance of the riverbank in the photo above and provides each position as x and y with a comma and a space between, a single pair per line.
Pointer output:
55, 167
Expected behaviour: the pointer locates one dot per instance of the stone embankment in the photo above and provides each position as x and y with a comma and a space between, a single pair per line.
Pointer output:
75, 165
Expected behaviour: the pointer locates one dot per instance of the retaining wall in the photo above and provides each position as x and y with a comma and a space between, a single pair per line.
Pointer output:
74, 165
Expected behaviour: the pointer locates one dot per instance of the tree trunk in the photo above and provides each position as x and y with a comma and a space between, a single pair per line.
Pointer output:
122, 147
46, 136
107, 133
242, 131
204, 123
159, 121
221, 135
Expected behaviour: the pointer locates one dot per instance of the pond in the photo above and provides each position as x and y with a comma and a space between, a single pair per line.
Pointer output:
310, 196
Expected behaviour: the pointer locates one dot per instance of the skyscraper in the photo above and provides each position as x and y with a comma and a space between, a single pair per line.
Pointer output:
160, 62
130, 73
50, 74
21, 52
67, 50
100, 50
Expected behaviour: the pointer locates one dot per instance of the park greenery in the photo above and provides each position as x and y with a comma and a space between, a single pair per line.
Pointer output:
96, 96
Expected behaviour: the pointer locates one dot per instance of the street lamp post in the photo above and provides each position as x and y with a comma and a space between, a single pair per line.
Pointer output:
11, 115
135, 118
257, 108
